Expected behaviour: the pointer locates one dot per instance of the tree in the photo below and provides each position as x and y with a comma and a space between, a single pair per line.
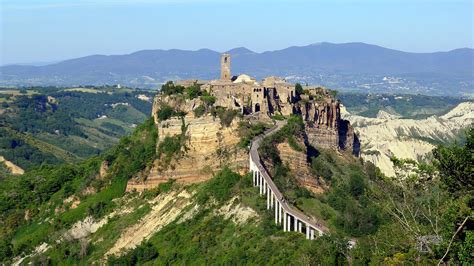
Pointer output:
455, 165
299, 89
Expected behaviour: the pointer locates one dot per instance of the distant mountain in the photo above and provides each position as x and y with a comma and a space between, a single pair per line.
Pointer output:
351, 66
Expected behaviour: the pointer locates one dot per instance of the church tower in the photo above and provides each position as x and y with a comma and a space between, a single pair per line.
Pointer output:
225, 67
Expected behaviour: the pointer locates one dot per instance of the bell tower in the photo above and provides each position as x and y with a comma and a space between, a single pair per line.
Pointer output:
225, 67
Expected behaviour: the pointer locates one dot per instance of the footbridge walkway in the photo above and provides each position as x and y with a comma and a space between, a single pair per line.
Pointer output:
292, 219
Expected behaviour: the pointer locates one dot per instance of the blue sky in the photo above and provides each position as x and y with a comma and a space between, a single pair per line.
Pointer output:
50, 30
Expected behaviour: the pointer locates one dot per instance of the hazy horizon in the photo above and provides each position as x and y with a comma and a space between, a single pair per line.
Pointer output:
42, 63
54, 30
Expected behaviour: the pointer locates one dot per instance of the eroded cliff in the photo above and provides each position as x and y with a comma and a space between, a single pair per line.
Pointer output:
190, 148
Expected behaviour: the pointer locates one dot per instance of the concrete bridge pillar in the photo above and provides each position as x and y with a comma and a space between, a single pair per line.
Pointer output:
267, 188
284, 222
307, 231
271, 199
289, 223
295, 225
279, 211
300, 227
276, 214
312, 234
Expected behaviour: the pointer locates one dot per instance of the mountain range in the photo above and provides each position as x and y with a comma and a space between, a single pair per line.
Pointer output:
347, 66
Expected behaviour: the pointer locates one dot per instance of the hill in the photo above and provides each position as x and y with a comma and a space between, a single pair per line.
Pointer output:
348, 66
387, 135
54, 125
80, 214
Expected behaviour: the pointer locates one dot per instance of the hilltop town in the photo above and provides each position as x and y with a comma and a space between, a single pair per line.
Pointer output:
205, 119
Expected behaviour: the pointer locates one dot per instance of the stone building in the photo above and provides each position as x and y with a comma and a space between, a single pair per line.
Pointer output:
271, 96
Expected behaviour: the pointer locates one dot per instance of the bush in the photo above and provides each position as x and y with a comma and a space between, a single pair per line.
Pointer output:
279, 117
199, 111
356, 185
219, 187
320, 167
225, 115
193, 92
299, 89
98, 209
165, 113
208, 100
169, 88
249, 131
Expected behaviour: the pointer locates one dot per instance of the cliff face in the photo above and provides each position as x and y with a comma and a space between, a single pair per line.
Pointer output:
325, 128
387, 136
299, 166
207, 147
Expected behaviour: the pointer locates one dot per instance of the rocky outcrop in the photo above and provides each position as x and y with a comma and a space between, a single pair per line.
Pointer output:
104, 167
325, 128
299, 166
207, 147
387, 136
13, 168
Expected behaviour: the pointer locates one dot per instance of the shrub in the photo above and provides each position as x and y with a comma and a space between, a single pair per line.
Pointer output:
320, 167
299, 89
199, 111
249, 131
169, 88
193, 92
226, 116
356, 185
279, 117
219, 187
165, 113
98, 209
294, 145
208, 100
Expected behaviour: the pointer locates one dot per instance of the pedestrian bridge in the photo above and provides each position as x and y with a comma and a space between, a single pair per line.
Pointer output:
290, 218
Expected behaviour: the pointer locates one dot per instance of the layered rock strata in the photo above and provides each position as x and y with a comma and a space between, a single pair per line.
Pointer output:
207, 147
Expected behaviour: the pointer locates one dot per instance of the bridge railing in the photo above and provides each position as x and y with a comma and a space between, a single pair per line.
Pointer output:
292, 218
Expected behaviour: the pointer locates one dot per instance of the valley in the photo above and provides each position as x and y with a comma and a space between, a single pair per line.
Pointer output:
178, 186
56, 125
387, 136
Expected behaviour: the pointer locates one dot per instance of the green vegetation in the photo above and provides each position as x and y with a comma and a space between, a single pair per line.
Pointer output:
14, 147
209, 239
169, 88
165, 113
199, 111
225, 115
39, 192
172, 147
208, 100
410, 106
456, 165
299, 89
415, 218
248, 131
219, 187
64, 125
293, 128
279, 117
422, 209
